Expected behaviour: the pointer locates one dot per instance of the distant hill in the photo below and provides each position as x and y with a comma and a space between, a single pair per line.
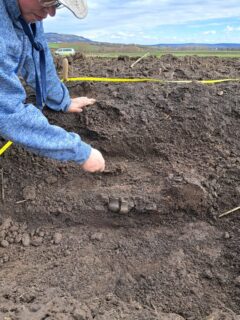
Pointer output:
58, 38
71, 38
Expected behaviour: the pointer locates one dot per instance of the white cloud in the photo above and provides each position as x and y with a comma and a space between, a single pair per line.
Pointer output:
210, 32
232, 29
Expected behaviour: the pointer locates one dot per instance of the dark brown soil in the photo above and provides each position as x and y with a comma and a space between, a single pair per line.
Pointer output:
173, 165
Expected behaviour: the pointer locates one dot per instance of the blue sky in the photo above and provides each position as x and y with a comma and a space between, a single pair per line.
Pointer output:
153, 21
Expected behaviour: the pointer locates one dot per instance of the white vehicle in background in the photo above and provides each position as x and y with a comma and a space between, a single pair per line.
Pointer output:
64, 52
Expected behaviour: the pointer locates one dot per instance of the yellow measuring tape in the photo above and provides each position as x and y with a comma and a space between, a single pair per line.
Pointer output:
5, 147
9, 143
147, 80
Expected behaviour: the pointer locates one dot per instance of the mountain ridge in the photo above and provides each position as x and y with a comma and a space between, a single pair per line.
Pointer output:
57, 37
70, 38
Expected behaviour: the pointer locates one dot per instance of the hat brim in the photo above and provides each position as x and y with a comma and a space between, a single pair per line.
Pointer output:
78, 7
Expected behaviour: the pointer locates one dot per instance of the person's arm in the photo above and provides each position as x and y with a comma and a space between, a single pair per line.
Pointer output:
26, 125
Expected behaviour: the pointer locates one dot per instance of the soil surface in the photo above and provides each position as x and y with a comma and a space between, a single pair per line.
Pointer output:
142, 240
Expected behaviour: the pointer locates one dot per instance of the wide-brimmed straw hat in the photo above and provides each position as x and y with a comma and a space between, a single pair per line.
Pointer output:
78, 7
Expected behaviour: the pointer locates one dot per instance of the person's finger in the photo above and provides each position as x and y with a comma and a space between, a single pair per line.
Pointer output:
90, 101
78, 104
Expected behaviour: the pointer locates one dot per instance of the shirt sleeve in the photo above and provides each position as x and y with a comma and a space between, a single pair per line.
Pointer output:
25, 125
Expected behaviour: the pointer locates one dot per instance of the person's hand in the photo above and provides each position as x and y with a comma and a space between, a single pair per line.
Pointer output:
95, 162
78, 104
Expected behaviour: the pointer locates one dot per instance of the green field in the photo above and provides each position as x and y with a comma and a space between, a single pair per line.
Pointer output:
112, 50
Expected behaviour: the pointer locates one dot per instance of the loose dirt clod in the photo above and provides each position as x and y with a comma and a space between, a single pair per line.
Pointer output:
57, 238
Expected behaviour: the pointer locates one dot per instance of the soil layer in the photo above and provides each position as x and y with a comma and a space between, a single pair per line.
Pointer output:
143, 239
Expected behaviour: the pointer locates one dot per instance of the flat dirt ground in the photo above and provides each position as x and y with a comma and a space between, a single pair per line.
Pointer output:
142, 240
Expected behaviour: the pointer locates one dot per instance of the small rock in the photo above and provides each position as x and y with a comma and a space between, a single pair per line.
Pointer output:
67, 253
14, 227
24, 226
220, 93
14, 234
32, 233
237, 281
36, 241
51, 179
80, 314
5, 258
26, 240
27, 297
114, 204
18, 238
37, 231
99, 208
34, 307
104, 198
29, 193
109, 297
7, 224
226, 235
10, 240
151, 207
171, 176
97, 236
2, 234
124, 208
4, 243
207, 274
137, 306
57, 238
